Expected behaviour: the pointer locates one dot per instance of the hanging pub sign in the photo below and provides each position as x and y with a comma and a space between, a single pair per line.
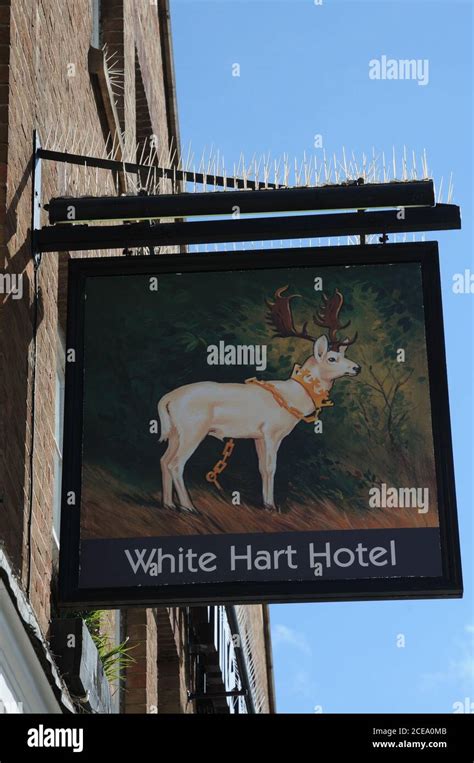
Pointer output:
266, 426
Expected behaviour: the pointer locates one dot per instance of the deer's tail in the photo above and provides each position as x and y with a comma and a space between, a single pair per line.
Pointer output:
164, 416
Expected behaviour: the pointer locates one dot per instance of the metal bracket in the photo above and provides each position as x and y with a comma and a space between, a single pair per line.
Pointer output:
423, 214
58, 238
361, 235
170, 173
217, 694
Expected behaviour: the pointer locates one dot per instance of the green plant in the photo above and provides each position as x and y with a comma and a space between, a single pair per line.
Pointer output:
115, 658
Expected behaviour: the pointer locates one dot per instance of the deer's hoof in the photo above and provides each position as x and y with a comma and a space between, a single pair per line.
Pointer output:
188, 510
269, 507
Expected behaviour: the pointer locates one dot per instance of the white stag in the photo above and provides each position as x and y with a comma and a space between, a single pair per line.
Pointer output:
262, 411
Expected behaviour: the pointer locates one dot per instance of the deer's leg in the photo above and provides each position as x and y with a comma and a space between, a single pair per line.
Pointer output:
188, 443
270, 447
267, 449
260, 448
166, 476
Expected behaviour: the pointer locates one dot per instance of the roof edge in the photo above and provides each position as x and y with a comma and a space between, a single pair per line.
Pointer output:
34, 633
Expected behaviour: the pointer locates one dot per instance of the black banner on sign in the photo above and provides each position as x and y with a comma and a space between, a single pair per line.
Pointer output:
257, 428
341, 555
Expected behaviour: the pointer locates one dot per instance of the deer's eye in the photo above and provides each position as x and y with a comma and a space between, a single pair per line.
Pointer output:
332, 360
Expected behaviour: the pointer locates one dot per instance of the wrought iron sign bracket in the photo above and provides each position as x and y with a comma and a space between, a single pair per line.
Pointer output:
82, 237
169, 173
369, 209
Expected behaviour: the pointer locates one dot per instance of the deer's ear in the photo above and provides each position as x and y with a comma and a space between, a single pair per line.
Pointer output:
320, 347
343, 347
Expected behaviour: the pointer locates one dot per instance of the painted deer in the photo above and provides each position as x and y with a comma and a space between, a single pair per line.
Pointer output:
262, 411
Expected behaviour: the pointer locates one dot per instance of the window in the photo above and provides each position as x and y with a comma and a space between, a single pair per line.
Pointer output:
96, 36
58, 435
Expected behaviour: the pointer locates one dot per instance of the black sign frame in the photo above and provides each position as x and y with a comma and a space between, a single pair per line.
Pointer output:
449, 584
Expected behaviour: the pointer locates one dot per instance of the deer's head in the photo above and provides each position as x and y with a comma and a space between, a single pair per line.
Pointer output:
328, 361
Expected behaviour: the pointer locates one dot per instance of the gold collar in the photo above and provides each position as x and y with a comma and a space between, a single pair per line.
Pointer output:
319, 397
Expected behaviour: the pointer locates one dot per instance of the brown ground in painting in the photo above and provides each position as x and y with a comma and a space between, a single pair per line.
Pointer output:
112, 509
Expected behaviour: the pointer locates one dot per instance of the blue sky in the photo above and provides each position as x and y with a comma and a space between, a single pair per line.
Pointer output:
304, 71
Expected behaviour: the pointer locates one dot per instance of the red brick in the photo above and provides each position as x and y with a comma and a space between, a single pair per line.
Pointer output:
37, 40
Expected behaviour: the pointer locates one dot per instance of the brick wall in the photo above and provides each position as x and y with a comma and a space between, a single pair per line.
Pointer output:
10, 521
173, 662
141, 687
251, 618
45, 85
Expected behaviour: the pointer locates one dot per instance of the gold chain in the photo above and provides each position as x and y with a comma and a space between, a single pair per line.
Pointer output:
319, 399
221, 464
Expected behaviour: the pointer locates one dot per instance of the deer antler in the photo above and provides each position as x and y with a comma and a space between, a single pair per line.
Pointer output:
328, 317
280, 317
